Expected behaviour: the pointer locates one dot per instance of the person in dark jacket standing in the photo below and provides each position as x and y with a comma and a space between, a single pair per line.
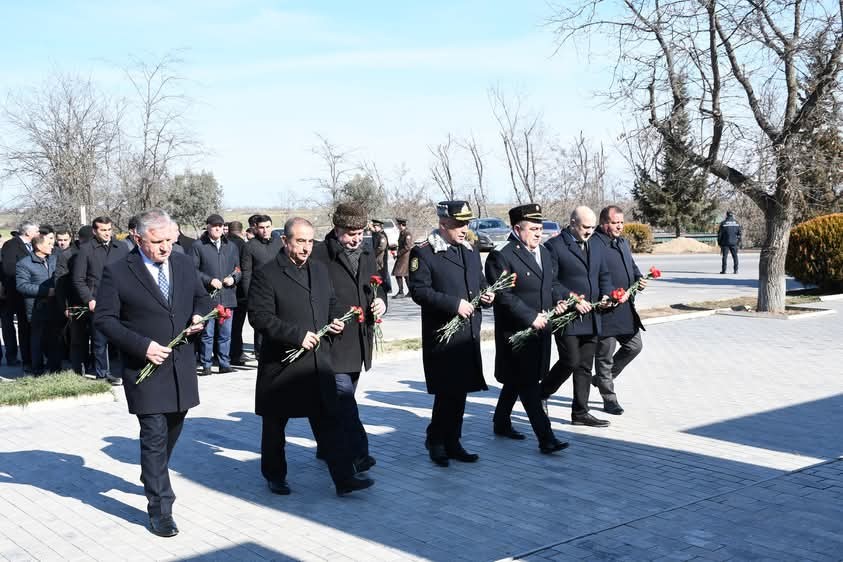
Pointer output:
402, 257
621, 323
257, 252
35, 282
380, 245
86, 274
236, 237
290, 299
582, 270
146, 299
218, 263
66, 296
13, 250
729, 240
351, 265
445, 275
520, 307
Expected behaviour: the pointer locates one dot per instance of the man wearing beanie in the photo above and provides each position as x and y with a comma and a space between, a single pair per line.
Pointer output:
351, 265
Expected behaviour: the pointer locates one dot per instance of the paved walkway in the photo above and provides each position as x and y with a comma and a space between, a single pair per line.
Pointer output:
720, 412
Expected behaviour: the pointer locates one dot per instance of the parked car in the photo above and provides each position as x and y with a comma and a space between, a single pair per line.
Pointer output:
550, 229
392, 232
490, 232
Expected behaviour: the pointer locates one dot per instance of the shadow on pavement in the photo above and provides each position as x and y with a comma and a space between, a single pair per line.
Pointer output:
244, 551
810, 429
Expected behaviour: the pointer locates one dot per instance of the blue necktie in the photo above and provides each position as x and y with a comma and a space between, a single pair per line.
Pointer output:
163, 284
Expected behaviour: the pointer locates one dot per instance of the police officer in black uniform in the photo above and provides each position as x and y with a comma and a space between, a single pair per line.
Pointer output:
729, 238
536, 290
445, 275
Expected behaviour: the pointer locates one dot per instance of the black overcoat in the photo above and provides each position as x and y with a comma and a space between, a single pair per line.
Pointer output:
353, 347
131, 312
583, 276
621, 320
218, 264
438, 280
283, 310
536, 289
89, 264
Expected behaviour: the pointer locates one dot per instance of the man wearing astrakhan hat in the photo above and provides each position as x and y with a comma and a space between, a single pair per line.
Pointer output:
445, 275
518, 308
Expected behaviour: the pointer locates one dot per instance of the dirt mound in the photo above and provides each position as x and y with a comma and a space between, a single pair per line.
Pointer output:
683, 245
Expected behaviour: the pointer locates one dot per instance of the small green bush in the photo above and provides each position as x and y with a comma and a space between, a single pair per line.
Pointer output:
23, 390
640, 237
815, 253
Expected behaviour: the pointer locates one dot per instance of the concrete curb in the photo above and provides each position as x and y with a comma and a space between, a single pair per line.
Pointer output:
678, 317
59, 403
814, 312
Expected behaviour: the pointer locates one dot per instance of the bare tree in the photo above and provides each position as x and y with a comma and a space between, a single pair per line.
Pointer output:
743, 59
337, 168
479, 188
161, 137
410, 199
63, 140
440, 168
518, 132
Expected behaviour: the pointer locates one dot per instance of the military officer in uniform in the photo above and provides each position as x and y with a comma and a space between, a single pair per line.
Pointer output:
445, 275
402, 257
516, 309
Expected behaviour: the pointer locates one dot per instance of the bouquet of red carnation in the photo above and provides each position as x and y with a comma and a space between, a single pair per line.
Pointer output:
354, 311
505, 281
618, 294
215, 292
220, 313
375, 281
635, 287
519, 339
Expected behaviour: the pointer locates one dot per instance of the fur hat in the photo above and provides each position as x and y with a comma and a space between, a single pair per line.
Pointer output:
350, 215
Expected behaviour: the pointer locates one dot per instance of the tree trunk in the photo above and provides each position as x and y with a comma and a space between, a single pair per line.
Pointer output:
678, 229
778, 215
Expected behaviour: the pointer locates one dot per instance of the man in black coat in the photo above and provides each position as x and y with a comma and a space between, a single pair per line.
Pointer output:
218, 262
445, 275
258, 251
66, 296
290, 299
13, 250
351, 265
235, 236
380, 245
582, 270
523, 306
729, 240
145, 300
621, 323
87, 271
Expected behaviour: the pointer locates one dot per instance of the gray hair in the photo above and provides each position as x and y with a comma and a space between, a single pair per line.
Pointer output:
152, 219
288, 226
26, 225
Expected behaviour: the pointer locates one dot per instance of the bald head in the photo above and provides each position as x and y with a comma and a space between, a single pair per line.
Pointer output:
583, 222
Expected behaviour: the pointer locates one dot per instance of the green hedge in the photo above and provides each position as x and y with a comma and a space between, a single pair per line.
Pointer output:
815, 252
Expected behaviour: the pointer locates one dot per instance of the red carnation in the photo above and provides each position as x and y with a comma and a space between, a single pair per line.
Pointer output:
655, 273
375, 280
618, 294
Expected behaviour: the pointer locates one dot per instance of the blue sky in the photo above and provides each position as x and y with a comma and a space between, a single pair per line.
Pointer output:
384, 78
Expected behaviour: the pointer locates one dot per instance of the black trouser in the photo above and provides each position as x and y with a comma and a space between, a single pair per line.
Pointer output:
158, 436
609, 364
44, 338
330, 440
356, 440
236, 350
80, 345
576, 355
724, 252
530, 395
446, 419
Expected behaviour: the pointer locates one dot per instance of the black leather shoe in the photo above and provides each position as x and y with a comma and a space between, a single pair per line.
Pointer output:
510, 433
589, 420
612, 408
438, 454
364, 463
353, 484
459, 454
552, 445
206, 372
399, 296
163, 525
279, 487
224, 370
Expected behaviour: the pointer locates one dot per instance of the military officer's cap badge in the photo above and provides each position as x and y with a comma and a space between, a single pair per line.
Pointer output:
458, 209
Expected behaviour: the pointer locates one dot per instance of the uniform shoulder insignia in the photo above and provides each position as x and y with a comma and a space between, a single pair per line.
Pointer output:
414, 264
